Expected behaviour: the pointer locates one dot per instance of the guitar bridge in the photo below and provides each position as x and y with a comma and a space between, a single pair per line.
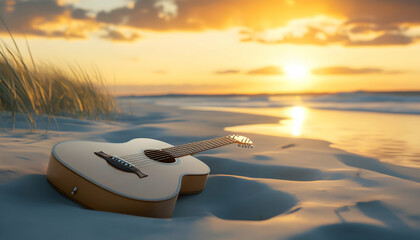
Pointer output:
120, 164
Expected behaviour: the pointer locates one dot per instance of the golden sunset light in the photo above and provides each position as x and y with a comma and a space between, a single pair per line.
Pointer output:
169, 46
210, 119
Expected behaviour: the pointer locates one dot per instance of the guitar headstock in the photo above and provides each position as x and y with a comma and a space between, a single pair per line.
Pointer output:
242, 141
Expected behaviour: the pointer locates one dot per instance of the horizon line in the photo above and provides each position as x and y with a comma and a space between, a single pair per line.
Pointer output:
403, 92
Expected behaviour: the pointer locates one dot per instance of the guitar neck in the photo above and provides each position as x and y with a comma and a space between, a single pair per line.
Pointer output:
196, 147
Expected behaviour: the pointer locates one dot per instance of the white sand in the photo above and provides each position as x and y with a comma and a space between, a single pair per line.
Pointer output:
305, 191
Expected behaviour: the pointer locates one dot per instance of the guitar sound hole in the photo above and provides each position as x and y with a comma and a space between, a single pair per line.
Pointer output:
159, 156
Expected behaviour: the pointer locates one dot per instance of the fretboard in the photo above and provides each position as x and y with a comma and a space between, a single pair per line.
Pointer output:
196, 147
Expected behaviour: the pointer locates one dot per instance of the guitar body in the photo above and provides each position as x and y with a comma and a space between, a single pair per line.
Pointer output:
76, 170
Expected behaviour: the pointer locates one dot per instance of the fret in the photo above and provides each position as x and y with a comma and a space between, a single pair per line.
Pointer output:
196, 147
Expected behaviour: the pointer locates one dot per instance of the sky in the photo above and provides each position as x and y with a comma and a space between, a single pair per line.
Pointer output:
226, 46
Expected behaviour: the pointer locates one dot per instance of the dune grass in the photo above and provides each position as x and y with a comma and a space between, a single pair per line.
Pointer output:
44, 89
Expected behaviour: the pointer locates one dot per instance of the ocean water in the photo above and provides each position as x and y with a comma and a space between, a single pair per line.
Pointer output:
385, 126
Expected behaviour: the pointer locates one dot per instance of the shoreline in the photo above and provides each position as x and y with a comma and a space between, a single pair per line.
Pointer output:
381, 141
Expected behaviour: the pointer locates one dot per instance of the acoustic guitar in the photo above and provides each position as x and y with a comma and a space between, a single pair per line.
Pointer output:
141, 177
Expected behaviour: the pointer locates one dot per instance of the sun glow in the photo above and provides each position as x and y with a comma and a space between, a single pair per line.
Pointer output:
296, 70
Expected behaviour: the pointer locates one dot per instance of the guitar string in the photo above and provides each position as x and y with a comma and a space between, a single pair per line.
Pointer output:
137, 155
183, 152
146, 163
213, 143
189, 146
140, 157
186, 150
142, 160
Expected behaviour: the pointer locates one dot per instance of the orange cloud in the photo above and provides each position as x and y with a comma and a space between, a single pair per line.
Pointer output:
386, 19
323, 30
350, 23
227, 71
268, 70
263, 14
340, 70
119, 36
203, 14
45, 18
314, 36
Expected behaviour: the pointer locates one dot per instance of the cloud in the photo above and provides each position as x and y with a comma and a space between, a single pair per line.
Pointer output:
322, 30
349, 23
380, 12
45, 18
268, 70
54, 19
119, 36
386, 39
227, 71
187, 15
340, 70
258, 15
315, 36
197, 15
361, 22
79, 13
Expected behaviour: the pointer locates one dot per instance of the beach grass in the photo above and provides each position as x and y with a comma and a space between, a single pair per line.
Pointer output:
45, 89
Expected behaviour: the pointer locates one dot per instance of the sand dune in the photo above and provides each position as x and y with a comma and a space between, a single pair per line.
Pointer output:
234, 198
253, 170
305, 191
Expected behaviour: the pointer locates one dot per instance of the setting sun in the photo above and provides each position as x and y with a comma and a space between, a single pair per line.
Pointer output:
296, 70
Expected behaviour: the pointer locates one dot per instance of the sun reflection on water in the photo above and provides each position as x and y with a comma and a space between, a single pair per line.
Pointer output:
297, 115
389, 137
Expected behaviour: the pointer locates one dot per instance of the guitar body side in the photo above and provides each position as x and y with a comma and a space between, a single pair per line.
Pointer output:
97, 194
